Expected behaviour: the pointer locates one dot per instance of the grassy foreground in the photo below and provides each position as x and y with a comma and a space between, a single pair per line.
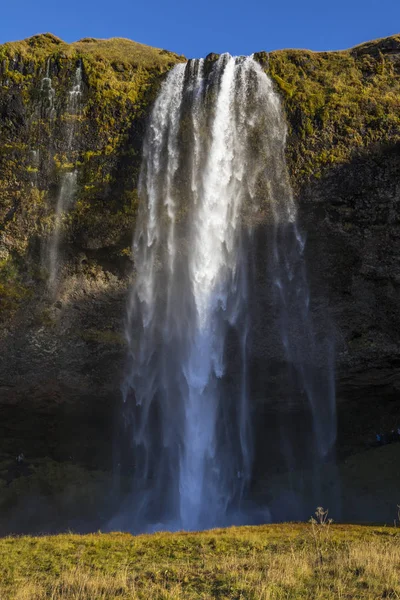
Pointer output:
257, 563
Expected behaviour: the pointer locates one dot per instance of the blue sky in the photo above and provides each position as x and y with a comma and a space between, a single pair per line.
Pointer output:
197, 28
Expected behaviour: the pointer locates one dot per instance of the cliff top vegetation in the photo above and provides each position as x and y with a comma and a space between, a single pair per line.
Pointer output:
118, 51
338, 103
120, 80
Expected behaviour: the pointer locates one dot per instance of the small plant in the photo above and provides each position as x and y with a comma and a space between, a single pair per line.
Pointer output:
321, 517
398, 516
320, 530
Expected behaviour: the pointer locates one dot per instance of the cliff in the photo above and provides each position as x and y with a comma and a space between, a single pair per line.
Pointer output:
343, 112
49, 338
63, 351
344, 150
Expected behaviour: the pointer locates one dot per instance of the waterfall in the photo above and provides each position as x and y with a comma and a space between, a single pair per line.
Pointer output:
48, 93
68, 185
213, 171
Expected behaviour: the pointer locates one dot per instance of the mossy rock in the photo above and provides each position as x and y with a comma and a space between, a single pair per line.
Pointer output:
337, 103
120, 79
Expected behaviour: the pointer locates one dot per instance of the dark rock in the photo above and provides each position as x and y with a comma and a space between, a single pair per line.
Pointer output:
262, 58
212, 57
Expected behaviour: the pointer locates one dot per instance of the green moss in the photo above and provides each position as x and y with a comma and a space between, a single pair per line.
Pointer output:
12, 290
337, 103
120, 81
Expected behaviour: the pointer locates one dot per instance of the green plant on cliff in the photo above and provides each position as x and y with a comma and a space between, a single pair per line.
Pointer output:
120, 80
12, 290
338, 103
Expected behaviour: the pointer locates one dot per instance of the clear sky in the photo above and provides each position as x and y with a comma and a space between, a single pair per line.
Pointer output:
197, 28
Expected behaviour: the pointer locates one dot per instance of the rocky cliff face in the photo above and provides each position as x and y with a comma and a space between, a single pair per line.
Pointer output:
344, 153
64, 345
344, 148
62, 349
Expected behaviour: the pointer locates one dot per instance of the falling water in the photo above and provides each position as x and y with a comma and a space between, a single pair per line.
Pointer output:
213, 170
48, 92
68, 180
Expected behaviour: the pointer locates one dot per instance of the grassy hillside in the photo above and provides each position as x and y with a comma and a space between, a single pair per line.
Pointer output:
253, 563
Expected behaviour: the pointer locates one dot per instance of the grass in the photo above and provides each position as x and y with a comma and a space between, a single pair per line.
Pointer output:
121, 50
254, 563
115, 50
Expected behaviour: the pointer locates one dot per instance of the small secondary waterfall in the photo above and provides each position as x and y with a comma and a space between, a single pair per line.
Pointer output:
48, 93
68, 180
213, 170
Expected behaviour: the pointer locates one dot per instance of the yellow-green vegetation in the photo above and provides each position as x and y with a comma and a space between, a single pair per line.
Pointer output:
119, 51
252, 563
12, 291
338, 102
119, 81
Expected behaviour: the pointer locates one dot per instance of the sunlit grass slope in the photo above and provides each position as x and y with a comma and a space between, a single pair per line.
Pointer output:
255, 563
114, 50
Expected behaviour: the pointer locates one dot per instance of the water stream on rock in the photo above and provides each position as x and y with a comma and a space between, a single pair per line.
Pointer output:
213, 173
68, 185
48, 92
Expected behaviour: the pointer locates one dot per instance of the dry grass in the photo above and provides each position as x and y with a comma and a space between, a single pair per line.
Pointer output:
128, 51
252, 563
